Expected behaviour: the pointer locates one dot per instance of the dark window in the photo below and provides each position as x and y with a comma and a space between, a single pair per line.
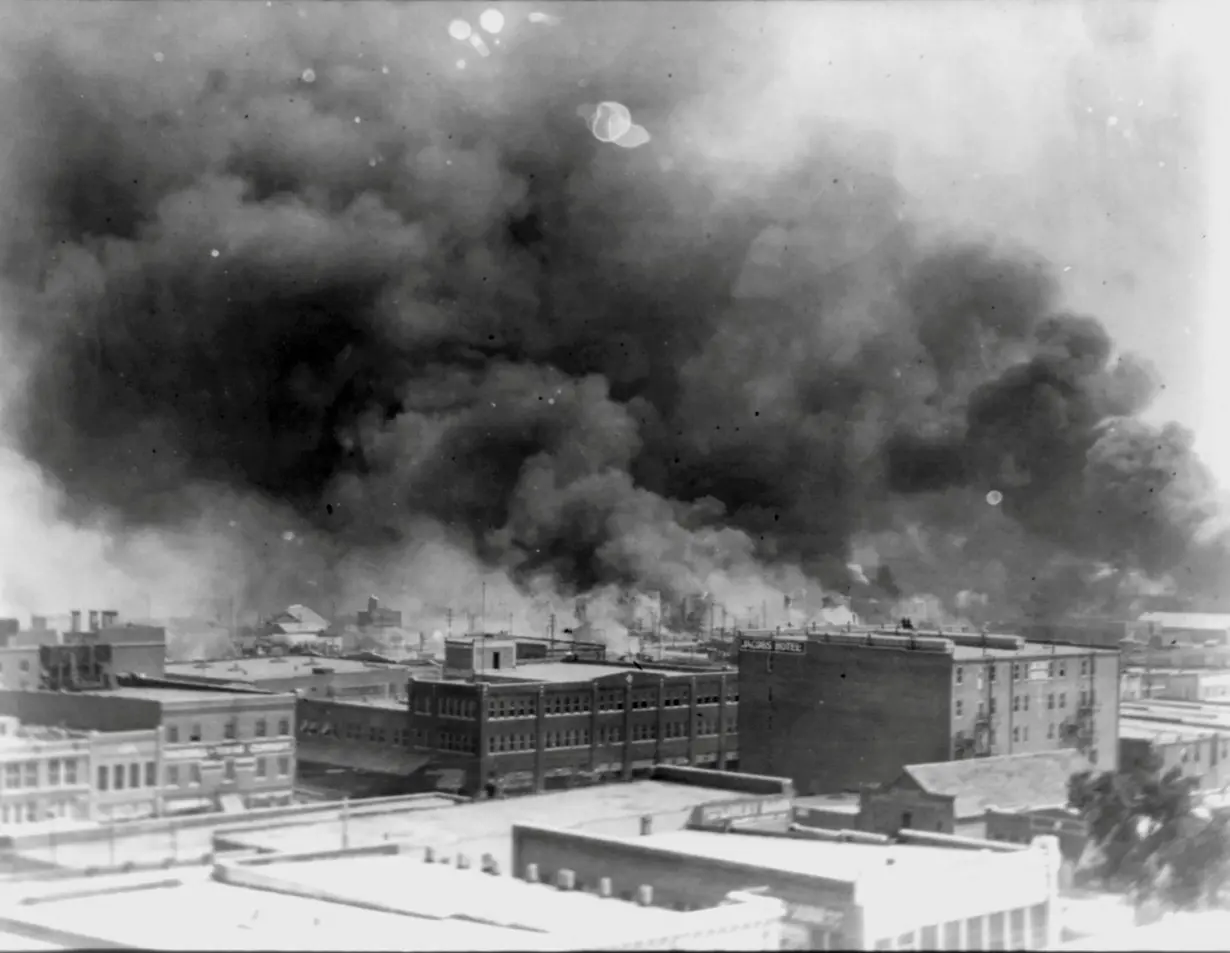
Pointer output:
118, 780
284, 726
907, 819
104, 777
172, 734
231, 730
151, 774
195, 733
260, 727
230, 769
134, 775
172, 775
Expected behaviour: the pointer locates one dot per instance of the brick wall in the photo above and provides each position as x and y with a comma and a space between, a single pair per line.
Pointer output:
97, 712
842, 715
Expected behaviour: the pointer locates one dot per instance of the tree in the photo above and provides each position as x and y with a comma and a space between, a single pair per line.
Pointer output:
1151, 836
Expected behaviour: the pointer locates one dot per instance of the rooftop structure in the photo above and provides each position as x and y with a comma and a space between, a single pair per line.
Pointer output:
1009, 783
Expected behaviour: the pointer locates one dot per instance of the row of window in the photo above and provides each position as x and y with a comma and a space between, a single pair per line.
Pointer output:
31, 812
25, 774
1022, 670
191, 773
606, 735
119, 776
1018, 929
230, 730
1021, 702
456, 741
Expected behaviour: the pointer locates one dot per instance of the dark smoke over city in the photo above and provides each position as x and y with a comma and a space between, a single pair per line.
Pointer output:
324, 286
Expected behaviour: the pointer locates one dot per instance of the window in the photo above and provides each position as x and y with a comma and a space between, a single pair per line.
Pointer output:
172, 734
53, 773
1050, 701
1025, 703
1016, 734
118, 780
284, 727
104, 776
1063, 669
31, 771
1084, 666
1063, 700
229, 771
260, 727
1016, 702
70, 771
194, 774
262, 769
231, 730
151, 774
172, 775
1016, 672
283, 766
134, 775
1050, 731
991, 672
992, 706
25, 665
907, 820
194, 733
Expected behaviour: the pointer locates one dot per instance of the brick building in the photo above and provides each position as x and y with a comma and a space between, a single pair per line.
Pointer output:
837, 710
216, 749
44, 774
497, 724
1180, 684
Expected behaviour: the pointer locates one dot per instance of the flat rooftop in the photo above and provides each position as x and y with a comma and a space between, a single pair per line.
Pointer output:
1159, 732
844, 803
577, 671
268, 668
1031, 650
174, 695
485, 827
406, 883
190, 911
832, 860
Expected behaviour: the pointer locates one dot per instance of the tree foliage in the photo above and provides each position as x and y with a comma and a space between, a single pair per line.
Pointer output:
1151, 835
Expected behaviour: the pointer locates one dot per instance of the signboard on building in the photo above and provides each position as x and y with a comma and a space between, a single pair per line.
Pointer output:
230, 749
759, 809
776, 646
1039, 671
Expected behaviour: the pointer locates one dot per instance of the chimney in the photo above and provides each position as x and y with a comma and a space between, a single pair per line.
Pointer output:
604, 887
644, 895
531, 873
93, 620
109, 618
646, 825
566, 879
373, 605
75, 625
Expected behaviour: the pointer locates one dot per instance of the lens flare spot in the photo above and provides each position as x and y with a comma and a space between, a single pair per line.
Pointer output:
460, 30
477, 42
461, 64
308, 76
492, 21
544, 18
214, 253
288, 536
995, 497
158, 57
610, 121
634, 137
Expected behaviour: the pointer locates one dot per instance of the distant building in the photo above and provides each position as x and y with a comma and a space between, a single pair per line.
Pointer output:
493, 724
296, 623
376, 617
1093, 632
837, 710
1192, 738
1180, 684
1191, 628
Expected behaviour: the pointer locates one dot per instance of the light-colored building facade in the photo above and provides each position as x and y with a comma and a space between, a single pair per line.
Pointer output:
124, 775
44, 774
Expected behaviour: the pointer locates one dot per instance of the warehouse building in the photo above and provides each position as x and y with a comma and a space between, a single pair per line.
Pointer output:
839, 894
837, 710
499, 723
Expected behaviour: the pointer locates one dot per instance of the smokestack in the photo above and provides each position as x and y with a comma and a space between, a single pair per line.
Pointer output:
373, 604
93, 620
109, 618
75, 624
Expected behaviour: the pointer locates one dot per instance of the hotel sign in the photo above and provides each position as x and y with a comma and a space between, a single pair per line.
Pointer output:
776, 646
710, 815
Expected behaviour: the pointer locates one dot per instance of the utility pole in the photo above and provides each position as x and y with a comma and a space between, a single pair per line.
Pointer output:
482, 608
449, 616
551, 631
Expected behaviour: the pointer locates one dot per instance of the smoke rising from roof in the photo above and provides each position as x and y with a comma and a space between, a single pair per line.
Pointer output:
409, 327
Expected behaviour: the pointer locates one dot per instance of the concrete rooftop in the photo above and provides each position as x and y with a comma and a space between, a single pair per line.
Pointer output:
485, 827
274, 667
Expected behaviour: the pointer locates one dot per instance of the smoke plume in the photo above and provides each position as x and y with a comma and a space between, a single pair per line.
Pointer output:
317, 301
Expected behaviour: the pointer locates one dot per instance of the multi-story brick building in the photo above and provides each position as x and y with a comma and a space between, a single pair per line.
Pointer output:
1180, 684
836, 710
218, 750
493, 724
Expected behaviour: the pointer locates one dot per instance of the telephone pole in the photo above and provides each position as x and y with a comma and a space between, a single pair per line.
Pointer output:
551, 631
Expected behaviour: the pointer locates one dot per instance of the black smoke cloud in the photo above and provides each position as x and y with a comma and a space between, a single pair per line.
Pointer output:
404, 294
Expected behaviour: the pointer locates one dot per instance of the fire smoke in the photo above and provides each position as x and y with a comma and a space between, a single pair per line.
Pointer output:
297, 298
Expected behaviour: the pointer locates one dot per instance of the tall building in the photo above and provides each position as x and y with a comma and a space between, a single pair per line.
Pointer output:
498, 723
837, 710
